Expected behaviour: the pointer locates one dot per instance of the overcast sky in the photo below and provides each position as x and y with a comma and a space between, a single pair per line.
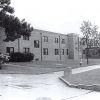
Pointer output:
63, 16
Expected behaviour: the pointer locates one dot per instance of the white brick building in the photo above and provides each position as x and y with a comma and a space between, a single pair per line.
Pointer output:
44, 45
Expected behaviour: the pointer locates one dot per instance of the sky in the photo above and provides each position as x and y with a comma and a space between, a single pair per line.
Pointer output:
62, 16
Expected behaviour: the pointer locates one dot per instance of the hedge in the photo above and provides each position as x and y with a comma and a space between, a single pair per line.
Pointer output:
21, 57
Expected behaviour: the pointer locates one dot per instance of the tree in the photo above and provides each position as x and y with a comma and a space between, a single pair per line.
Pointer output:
90, 33
5, 9
5, 6
14, 27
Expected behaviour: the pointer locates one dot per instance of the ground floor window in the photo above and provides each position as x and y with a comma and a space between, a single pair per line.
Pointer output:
62, 51
45, 51
83, 51
9, 49
26, 50
56, 51
66, 51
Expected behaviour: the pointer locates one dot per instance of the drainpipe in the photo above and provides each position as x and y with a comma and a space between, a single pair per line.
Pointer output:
41, 45
59, 49
18, 45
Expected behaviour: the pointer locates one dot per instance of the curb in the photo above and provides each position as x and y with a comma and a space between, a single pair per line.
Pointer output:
95, 87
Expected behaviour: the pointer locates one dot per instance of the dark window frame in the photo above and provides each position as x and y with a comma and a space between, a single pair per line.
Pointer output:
8, 49
56, 51
45, 51
63, 41
25, 37
67, 51
56, 40
45, 38
26, 50
63, 51
36, 43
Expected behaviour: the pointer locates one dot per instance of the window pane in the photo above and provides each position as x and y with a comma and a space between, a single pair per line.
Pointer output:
45, 51
56, 51
45, 38
25, 37
26, 50
63, 41
36, 43
9, 49
62, 51
56, 40
66, 51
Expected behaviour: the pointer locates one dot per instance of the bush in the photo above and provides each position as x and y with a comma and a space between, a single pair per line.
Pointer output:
21, 57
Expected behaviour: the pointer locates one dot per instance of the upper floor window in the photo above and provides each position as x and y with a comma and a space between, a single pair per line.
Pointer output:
56, 51
56, 40
36, 43
45, 38
45, 51
9, 49
26, 50
63, 41
25, 37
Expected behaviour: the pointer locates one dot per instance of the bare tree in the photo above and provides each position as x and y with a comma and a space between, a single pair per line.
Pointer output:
90, 33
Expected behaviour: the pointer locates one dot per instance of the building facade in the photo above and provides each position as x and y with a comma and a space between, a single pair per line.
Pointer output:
45, 45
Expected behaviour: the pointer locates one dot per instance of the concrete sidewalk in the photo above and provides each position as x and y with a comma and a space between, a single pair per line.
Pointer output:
84, 69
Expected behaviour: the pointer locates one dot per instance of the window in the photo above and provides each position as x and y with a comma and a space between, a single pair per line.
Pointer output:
9, 49
66, 51
45, 38
26, 50
56, 40
56, 51
83, 51
45, 51
25, 37
36, 43
62, 51
63, 41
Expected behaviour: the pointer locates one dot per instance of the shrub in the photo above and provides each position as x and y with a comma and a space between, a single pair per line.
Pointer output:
21, 57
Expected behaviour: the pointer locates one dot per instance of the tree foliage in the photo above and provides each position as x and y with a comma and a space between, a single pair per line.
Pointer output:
90, 36
14, 27
5, 6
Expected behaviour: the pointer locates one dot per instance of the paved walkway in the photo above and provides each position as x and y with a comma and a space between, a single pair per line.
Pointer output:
83, 69
37, 87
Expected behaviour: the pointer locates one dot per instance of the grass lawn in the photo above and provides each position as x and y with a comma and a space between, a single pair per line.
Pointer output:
91, 77
44, 66
57, 64
89, 80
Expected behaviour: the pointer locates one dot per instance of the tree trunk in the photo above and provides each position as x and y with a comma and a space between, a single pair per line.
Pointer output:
87, 55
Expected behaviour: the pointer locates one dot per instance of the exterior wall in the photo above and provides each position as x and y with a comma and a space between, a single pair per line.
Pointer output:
19, 44
70, 46
30, 44
51, 45
73, 46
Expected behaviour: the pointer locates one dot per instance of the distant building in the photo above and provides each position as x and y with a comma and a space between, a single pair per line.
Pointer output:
45, 45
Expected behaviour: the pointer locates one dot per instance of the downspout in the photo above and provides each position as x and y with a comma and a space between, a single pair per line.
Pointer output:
18, 44
41, 45
59, 49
